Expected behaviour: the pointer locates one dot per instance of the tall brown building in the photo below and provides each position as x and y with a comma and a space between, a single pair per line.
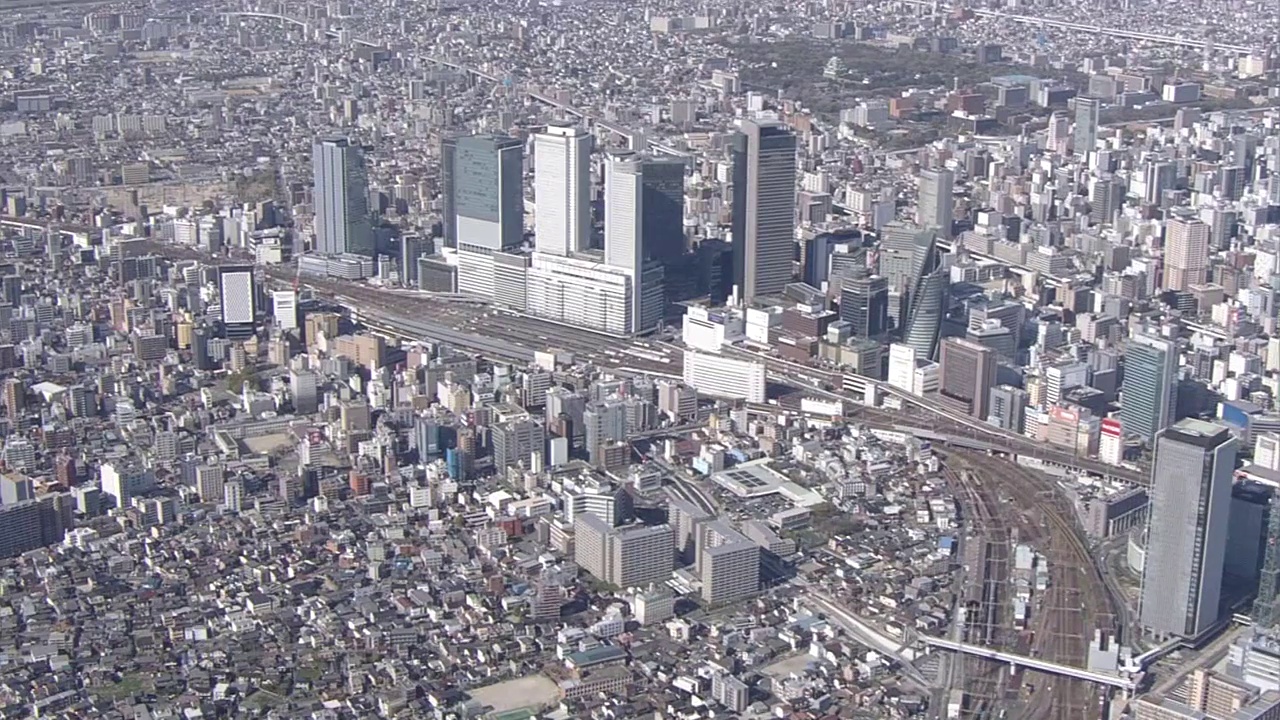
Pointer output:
15, 398
968, 374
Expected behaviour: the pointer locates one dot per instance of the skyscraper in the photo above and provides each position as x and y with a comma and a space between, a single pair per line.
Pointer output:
1187, 528
1086, 130
486, 193
1106, 197
764, 208
341, 198
936, 204
485, 198
864, 303
562, 189
927, 303
449, 220
637, 222
968, 374
238, 300
1149, 394
1186, 252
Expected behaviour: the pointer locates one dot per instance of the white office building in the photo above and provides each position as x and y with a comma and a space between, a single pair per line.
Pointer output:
284, 305
709, 330
562, 189
902, 367
580, 291
719, 376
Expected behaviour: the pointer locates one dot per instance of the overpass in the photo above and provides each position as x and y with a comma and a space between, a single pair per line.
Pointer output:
1030, 449
985, 435
1116, 681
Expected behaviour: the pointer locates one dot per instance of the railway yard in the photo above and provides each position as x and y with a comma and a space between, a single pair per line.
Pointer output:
1004, 506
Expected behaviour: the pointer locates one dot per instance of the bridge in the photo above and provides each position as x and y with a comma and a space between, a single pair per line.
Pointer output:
1034, 450
1126, 684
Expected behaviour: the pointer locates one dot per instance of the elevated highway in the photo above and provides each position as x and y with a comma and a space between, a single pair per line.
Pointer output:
1109, 31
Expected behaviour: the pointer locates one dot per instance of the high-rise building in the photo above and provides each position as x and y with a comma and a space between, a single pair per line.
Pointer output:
636, 235
486, 193
1186, 252
15, 398
1187, 528
1106, 198
968, 374
341, 198
284, 307
1007, 408
562, 189
936, 204
1086, 130
605, 423
1149, 394
864, 303
925, 311
764, 208
1009, 314
516, 442
412, 247
449, 219
485, 199
629, 556
210, 483
305, 387
1158, 177
728, 563
238, 299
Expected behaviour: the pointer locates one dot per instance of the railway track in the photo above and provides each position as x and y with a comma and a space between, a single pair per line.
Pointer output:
983, 683
1031, 510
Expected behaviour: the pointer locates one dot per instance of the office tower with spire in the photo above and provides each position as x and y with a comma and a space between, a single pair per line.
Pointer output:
936, 204
341, 198
1187, 529
764, 208
562, 189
